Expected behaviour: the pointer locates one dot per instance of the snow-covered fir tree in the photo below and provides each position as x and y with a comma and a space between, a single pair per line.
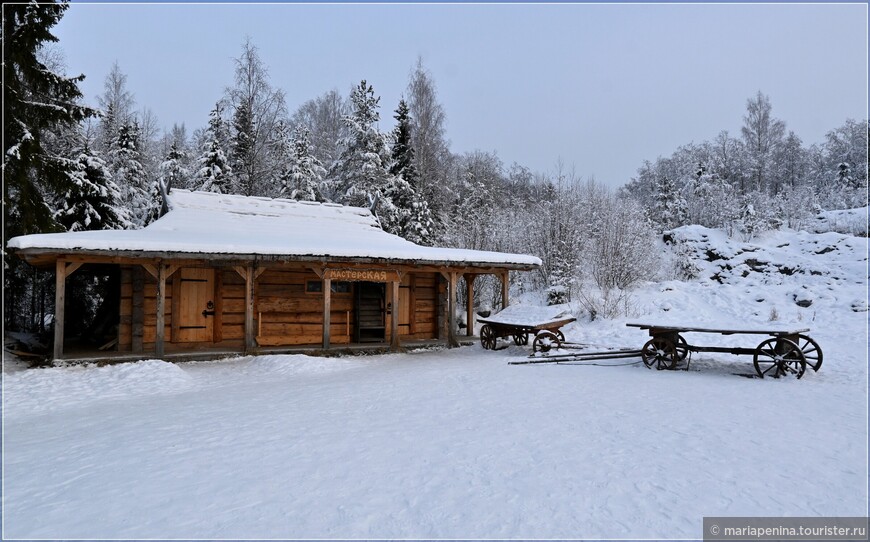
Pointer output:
93, 202
36, 101
302, 178
411, 218
360, 174
129, 174
669, 210
215, 173
172, 171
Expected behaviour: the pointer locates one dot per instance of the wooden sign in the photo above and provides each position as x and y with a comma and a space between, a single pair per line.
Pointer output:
362, 275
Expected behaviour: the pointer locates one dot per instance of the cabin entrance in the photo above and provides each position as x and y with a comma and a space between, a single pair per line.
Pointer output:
369, 311
193, 312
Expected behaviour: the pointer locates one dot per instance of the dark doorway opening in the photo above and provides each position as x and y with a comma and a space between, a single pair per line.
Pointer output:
370, 311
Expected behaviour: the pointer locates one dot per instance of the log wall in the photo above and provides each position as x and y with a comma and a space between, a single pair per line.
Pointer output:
285, 314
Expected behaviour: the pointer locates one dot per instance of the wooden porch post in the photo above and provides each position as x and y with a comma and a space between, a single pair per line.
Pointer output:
505, 286
249, 309
59, 299
161, 300
327, 308
469, 304
451, 308
394, 316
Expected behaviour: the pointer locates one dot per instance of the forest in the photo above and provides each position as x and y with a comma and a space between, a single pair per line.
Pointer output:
69, 166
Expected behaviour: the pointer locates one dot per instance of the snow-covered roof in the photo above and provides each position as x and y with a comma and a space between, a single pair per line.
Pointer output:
204, 223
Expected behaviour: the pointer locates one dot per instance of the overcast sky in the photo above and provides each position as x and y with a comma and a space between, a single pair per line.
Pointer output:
601, 87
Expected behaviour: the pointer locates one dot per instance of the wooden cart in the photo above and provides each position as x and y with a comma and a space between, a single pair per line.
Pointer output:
520, 321
786, 351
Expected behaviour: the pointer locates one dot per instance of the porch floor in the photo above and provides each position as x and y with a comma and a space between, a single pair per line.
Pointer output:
78, 354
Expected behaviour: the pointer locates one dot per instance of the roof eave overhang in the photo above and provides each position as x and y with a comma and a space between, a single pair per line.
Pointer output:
46, 257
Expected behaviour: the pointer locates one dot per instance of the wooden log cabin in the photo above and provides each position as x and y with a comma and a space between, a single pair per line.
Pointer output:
233, 274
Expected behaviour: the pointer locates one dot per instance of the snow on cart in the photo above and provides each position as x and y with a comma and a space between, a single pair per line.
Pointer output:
520, 321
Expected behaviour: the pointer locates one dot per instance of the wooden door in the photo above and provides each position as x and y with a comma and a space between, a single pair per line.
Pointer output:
195, 315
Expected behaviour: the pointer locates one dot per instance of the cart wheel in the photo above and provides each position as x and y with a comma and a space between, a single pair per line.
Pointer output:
659, 353
487, 337
778, 357
545, 341
682, 348
812, 351
561, 335
521, 339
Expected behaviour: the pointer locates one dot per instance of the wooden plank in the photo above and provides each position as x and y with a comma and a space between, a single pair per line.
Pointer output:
218, 324
394, 317
59, 302
138, 321
469, 305
366, 275
337, 317
505, 289
249, 308
412, 303
327, 309
721, 331
175, 333
161, 298
242, 271
313, 340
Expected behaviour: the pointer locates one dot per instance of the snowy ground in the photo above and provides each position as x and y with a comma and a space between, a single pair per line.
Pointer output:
456, 443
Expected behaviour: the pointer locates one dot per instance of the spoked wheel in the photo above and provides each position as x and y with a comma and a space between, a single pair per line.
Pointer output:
545, 341
682, 348
521, 339
659, 353
812, 351
561, 335
487, 337
779, 357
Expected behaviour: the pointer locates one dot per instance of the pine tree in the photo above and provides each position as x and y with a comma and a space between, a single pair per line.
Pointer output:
412, 218
359, 177
215, 173
93, 201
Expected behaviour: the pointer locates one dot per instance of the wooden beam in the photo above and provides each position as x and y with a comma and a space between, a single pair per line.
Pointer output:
469, 304
71, 268
412, 304
327, 310
138, 320
249, 309
152, 270
259, 271
175, 331
242, 271
59, 301
170, 269
451, 308
505, 289
161, 313
394, 317
218, 322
